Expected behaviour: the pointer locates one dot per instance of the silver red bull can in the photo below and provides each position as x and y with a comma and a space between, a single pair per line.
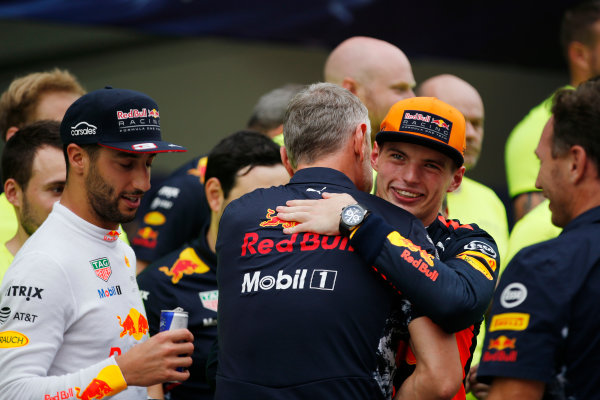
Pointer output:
173, 319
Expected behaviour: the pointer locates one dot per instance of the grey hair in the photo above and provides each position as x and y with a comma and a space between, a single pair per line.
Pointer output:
319, 120
270, 109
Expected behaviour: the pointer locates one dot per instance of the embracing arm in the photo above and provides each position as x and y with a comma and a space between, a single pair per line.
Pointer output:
438, 372
454, 293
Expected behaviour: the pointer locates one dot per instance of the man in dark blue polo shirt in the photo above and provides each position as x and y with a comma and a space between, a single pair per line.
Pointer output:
304, 316
544, 329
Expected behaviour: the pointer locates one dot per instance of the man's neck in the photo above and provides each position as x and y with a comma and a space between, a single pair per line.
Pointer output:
17, 241
77, 202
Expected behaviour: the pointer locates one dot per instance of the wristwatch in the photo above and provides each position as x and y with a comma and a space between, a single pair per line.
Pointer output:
352, 216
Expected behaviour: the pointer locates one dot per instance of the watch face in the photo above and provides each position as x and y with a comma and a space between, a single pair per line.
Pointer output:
353, 215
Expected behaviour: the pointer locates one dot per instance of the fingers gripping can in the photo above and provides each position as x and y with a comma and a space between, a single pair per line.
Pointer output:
173, 319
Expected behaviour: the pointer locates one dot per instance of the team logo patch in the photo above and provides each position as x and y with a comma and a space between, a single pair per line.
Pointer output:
155, 218
10, 339
502, 343
187, 263
146, 237
144, 146
111, 236
513, 295
481, 246
134, 324
210, 299
509, 322
83, 128
102, 268
474, 259
4, 314
108, 381
427, 124
200, 169
273, 220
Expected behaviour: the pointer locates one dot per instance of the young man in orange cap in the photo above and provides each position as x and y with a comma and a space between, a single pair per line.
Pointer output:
418, 155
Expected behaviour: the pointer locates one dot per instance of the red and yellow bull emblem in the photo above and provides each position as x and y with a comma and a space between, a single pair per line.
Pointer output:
154, 113
187, 263
441, 123
135, 324
200, 169
146, 237
111, 236
108, 382
273, 220
501, 343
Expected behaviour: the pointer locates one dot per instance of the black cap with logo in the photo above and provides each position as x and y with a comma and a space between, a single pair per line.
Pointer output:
119, 119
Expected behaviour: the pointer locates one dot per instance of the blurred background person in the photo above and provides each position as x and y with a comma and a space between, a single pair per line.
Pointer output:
33, 176
579, 38
36, 96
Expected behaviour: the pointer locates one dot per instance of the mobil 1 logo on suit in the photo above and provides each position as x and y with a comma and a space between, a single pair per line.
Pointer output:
299, 279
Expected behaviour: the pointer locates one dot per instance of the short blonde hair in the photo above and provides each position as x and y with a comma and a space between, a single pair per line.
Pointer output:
19, 102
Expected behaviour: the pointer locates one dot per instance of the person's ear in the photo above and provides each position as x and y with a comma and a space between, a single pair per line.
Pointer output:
214, 194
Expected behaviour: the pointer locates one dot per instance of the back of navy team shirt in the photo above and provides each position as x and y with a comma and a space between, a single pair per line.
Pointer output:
300, 316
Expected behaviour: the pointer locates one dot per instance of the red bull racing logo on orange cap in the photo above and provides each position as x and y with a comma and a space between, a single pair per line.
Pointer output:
108, 382
187, 263
273, 220
426, 124
134, 324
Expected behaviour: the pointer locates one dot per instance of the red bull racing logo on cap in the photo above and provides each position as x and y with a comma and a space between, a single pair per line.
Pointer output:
102, 268
273, 220
132, 113
138, 120
108, 382
134, 324
425, 123
187, 263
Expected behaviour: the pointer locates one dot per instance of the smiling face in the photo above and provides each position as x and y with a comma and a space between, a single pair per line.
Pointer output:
415, 177
115, 183
552, 178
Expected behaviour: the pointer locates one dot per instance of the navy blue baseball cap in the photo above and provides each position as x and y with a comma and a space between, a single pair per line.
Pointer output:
119, 119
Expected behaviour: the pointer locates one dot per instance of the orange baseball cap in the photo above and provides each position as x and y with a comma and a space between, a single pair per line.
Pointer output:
426, 121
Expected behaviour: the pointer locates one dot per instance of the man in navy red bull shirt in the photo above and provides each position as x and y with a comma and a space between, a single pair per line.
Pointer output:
542, 339
303, 315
